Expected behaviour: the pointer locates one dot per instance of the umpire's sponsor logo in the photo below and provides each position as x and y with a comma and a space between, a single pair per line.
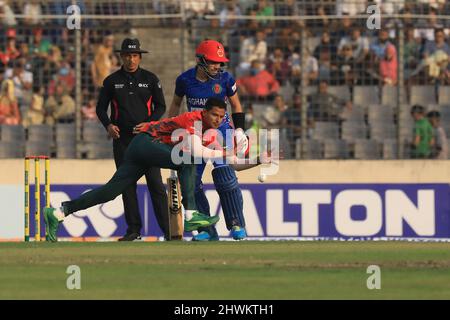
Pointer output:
143, 85
119, 85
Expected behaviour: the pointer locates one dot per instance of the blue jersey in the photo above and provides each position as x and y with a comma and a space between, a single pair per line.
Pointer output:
197, 92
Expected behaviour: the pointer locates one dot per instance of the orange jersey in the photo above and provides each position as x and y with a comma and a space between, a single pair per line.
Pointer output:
162, 130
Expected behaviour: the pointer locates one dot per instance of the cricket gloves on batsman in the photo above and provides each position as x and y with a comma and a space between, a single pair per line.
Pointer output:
242, 143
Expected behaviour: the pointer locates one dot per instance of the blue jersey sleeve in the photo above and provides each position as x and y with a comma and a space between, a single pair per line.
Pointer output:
180, 87
231, 86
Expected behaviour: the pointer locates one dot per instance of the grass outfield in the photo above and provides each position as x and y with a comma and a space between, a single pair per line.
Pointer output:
225, 270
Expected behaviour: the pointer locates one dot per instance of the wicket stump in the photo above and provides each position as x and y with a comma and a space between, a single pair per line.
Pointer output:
37, 194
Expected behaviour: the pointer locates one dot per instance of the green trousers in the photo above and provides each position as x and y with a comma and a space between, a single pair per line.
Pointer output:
142, 153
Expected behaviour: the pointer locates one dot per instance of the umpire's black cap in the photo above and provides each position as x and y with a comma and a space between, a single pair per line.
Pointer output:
131, 46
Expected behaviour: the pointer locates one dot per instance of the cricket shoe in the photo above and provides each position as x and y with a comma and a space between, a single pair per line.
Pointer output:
131, 237
52, 217
205, 236
238, 233
199, 220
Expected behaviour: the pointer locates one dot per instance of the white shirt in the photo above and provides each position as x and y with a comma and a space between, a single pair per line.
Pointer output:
358, 45
18, 87
253, 51
9, 19
350, 7
199, 6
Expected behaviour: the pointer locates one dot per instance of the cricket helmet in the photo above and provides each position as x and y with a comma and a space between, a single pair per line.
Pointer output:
211, 50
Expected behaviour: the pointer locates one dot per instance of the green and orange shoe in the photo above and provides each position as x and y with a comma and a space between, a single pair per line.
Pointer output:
199, 220
52, 219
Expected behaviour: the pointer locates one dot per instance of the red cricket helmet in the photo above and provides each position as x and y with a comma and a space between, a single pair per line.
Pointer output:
211, 50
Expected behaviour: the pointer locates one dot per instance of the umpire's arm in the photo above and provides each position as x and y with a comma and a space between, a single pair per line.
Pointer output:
104, 99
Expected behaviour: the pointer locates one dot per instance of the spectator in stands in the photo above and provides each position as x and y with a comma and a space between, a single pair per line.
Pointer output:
378, 47
436, 59
426, 28
439, 44
230, 10
411, 51
110, 8
390, 7
289, 8
273, 114
264, 9
23, 83
252, 48
325, 45
11, 52
166, 6
311, 69
9, 110
350, 7
442, 7
328, 69
199, 8
347, 66
259, 84
195, 11
292, 118
9, 19
39, 46
324, 106
32, 11
315, 26
358, 43
88, 111
341, 28
60, 107
65, 76
36, 113
101, 65
440, 148
278, 66
24, 51
388, 66
423, 140
53, 61
291, 122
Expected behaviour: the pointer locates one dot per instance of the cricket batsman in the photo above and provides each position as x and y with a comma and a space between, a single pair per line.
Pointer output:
206, 80
153, 146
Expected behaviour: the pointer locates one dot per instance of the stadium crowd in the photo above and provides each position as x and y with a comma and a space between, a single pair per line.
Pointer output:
333, 70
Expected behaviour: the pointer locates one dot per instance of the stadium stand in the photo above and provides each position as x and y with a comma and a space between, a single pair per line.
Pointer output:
301, 43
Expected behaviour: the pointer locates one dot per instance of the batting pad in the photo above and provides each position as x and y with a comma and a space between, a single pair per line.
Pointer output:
230, 194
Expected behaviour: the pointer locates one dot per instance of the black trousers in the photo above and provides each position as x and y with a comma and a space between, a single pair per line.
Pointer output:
155, 187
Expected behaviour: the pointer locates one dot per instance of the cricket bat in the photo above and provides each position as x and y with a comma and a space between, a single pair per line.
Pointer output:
176, 223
